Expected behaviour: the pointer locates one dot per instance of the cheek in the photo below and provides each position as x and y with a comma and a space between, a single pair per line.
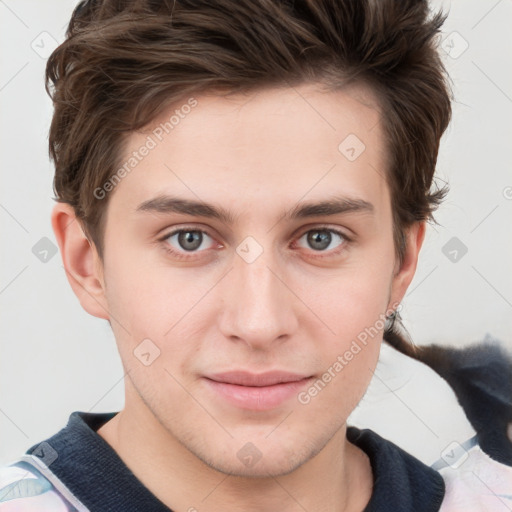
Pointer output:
156, 303
148, 298
352, 308
349, 347
350, 300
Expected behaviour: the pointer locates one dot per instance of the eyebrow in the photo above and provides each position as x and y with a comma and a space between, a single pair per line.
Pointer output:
332, 206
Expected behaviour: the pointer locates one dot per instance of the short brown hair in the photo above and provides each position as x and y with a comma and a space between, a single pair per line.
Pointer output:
123, 61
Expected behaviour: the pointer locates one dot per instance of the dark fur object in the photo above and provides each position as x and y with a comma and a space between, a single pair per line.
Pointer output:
481, 377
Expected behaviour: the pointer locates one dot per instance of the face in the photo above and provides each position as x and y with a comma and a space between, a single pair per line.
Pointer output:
241, 320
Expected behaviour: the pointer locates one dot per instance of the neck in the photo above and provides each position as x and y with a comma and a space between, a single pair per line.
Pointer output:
337, 479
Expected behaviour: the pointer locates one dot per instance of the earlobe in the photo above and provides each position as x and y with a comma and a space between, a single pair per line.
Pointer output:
402, 278
80, 259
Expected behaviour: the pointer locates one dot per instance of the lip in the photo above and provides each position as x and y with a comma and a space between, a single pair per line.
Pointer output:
244, 378
257, 392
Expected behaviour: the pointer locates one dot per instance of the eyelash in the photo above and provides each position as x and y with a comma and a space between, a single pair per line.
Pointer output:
179, 255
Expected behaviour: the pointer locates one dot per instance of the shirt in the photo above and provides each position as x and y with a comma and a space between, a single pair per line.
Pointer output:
76, 470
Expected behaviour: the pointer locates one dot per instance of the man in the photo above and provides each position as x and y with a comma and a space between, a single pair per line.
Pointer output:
242, 190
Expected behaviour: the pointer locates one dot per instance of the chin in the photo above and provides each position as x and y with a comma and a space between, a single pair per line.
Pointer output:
258, 459
262, 469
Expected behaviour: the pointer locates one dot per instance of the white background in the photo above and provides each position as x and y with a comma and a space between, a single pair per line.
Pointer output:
55, 358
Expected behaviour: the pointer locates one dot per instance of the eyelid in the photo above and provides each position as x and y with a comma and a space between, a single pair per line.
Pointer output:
185, 227
325, 227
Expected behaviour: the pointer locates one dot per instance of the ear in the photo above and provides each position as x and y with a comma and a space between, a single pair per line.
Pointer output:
404, 274
82, 264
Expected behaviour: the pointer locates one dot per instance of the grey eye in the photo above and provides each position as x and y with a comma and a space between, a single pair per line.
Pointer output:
321, 239
188, 240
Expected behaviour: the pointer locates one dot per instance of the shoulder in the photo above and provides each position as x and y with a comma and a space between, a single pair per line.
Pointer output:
477, 483
469, 481
26, 488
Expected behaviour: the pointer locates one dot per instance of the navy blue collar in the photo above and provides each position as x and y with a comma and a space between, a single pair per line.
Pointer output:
98, 477
402, 483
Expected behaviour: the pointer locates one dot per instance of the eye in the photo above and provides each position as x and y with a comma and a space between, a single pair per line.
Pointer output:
186, 240
325, 240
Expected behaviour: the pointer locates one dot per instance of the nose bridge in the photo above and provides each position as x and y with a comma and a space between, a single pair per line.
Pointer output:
258, 306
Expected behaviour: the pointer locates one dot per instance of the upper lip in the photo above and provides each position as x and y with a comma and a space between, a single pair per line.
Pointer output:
244, 378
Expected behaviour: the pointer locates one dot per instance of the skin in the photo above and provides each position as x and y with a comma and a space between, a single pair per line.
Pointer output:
296, 307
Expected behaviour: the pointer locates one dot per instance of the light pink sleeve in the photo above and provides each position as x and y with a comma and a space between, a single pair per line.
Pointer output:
478, 484
22, 491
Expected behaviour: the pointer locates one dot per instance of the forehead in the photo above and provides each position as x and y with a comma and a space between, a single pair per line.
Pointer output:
276, 142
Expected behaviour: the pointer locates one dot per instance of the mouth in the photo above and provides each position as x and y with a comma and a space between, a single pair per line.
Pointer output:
257, 392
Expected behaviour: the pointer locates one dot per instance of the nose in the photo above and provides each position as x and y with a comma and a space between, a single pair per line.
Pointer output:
258, 302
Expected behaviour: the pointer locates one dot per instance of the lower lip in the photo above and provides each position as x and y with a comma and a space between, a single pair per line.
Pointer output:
257, 398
